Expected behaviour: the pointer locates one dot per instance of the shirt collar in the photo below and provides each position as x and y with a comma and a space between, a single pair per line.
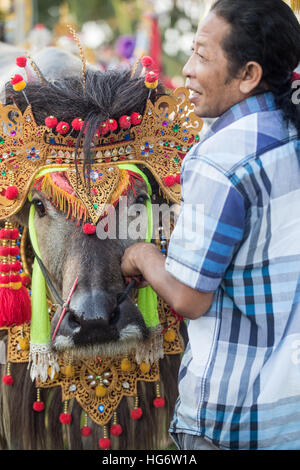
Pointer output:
254, 104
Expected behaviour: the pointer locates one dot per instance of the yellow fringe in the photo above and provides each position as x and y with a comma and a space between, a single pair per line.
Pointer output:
62, 200
71, 205
124, 182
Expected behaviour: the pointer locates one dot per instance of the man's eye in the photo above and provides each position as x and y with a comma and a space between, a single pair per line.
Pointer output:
197, 53
40, 208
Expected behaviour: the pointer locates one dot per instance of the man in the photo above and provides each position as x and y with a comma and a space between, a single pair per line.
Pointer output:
239, 284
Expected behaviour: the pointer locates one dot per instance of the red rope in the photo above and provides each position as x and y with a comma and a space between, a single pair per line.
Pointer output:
65, 307
177, 319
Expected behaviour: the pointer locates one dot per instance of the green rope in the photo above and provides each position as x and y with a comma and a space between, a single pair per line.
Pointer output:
40, 323
147, 297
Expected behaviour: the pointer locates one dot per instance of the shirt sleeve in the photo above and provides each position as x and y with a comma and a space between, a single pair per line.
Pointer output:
209, 228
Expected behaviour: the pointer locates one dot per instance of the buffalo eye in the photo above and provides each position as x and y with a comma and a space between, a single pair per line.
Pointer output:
39, 207
141, 199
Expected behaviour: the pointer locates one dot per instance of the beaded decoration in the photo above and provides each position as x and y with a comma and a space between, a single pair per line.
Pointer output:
159, 141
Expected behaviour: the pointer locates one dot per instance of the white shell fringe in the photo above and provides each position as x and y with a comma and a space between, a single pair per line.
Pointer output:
40, 359
152, 350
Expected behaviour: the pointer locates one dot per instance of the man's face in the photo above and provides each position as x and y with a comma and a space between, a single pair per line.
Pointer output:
206, 71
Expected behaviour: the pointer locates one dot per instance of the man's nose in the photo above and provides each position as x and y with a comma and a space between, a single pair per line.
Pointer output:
188, 69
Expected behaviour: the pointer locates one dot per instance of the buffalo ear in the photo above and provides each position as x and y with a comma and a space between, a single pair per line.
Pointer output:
22, 217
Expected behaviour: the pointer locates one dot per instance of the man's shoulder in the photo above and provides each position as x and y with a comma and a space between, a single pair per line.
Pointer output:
244, 138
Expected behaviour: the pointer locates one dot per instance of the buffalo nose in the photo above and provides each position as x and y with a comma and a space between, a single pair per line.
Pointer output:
93, 306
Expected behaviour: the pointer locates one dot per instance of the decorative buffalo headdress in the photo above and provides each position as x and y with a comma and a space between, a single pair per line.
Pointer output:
84, 164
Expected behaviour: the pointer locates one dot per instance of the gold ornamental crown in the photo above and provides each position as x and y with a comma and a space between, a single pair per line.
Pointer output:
168, 129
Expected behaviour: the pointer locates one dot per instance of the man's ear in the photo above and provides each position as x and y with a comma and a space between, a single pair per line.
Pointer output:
251, 77
22, 217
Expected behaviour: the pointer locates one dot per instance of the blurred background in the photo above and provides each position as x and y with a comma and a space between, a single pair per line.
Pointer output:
112, 32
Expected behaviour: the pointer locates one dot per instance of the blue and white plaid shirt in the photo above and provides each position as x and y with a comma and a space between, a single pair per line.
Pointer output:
239, 381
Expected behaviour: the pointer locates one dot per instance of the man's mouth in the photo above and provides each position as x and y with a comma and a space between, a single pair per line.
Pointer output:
194, 93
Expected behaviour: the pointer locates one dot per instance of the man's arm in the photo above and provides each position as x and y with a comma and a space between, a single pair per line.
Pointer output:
146, 260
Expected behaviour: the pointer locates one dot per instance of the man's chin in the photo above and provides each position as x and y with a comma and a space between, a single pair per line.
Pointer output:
200, 109
205, 113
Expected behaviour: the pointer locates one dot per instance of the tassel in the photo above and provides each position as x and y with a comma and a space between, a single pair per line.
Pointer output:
104, 442
23, 343
158, 402
65, 417
101, 390
38, 405
8, 379
137, 412
85, 430
115, 429
15, 305
126, 364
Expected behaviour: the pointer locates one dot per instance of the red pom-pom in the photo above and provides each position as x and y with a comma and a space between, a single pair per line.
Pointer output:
89, 229
21, 61
7, 380
136, 413
136, 118
104, 443
177, 178
159, 402
14, 251
4, 268
125, 122
16, 79
104, 128
62, 128
25, 281
11, 193
14, 278
112, 125
77, 124
38, 406
51, 122
151, 77
4, 280
116, 429
4, 234
65, 418
85, 431
16, 266
9, 251
4, 250
14, 233
147, 61
11, 234
169, 180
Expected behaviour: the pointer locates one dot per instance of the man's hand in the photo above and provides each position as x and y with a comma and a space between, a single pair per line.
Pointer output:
132, 256
145, 261
129, 263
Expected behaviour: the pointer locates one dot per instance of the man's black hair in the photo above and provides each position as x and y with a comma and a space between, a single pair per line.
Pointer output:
267, 32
